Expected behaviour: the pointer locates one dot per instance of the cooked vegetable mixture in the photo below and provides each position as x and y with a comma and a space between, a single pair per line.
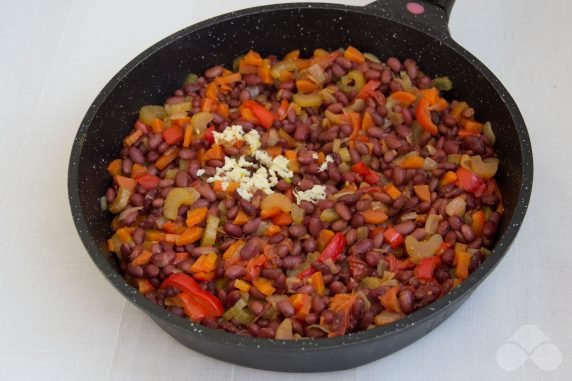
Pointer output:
304, 197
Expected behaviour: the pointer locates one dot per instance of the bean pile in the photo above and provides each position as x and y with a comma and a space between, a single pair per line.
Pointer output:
401, 205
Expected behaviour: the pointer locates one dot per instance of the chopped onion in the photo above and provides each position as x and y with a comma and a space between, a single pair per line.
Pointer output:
424, 249
429, 164
484, 169
297, 214
254, 91
488, 132
332, 266
362, 233
128, 211
262, 228
209, 236
454, 158
431, 149
336, 145
457, 206
329, 215
371, 57
409, 216
273, 137
431, 223
386, 317
232, 311
316, 73
358, 105
103, 203
345, 155
284, 330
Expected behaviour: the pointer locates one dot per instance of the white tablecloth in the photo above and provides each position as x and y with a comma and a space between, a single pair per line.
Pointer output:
61, 319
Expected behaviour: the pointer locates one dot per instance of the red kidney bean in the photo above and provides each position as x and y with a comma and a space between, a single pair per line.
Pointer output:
344, 63
285, 308
455, 222
297, 230
375, 132
357, 220
136, 155
361, 147
394, 64
276, 239
338, 71
235, 272
467, 232
314, 226
339, 225
473, 143
290, 262
206, 192
302, 132
343, 211
405, 228
362, 247
309, 245
232, 229
214, 71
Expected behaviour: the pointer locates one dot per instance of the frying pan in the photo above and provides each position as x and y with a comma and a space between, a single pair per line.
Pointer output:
385, 28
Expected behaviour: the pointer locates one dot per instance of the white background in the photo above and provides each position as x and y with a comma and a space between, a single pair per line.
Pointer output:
60, 319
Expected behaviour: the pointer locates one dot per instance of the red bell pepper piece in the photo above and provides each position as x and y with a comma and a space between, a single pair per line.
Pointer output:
369, 175
369, 91
470, 182
173, 134
395, 264
197, 302
427, 266
148, 181
423, 115
306, 273
265, 117
209, 134
394, 238
334, 248
254, 266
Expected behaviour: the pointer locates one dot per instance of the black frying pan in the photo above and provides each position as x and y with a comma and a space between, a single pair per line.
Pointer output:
385, 28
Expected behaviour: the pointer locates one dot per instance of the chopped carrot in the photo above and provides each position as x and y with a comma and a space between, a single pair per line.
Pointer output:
264, 286
478, 222
389, 299
268, 213
462, 260
392, 191
293, 55
282, 219
403, 97
196, 216
230, 78
132, 138
232, 186
138, 170
324, 237
233, 250
212, 91
422, 191
205, 263
124, 235
264, 72
190, 235
292, 157
272, 230
217, 185
173, 227
171, 238
374, 216
245, 68
458, 109
414, 162
208, 105
169, 155
181, 257
205, 276
354, 55
252, 58
320, 53
317, 282
448, 178
241, 218
222, 110
157, 125
282, 111
241, 285
302, 304
214, 153
114, 168
142, 259
305, 86
367, 122
471, 126
154, 235
274, 151
125, 182
248, 114
144, 286
355, 121
321, 157
188, 136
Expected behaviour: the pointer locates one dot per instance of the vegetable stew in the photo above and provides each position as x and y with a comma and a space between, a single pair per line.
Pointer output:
304, 197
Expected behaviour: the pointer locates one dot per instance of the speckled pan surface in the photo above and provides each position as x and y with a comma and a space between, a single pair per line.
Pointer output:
384, 28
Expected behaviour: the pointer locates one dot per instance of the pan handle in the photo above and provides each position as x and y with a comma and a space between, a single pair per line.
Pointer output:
432, 14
